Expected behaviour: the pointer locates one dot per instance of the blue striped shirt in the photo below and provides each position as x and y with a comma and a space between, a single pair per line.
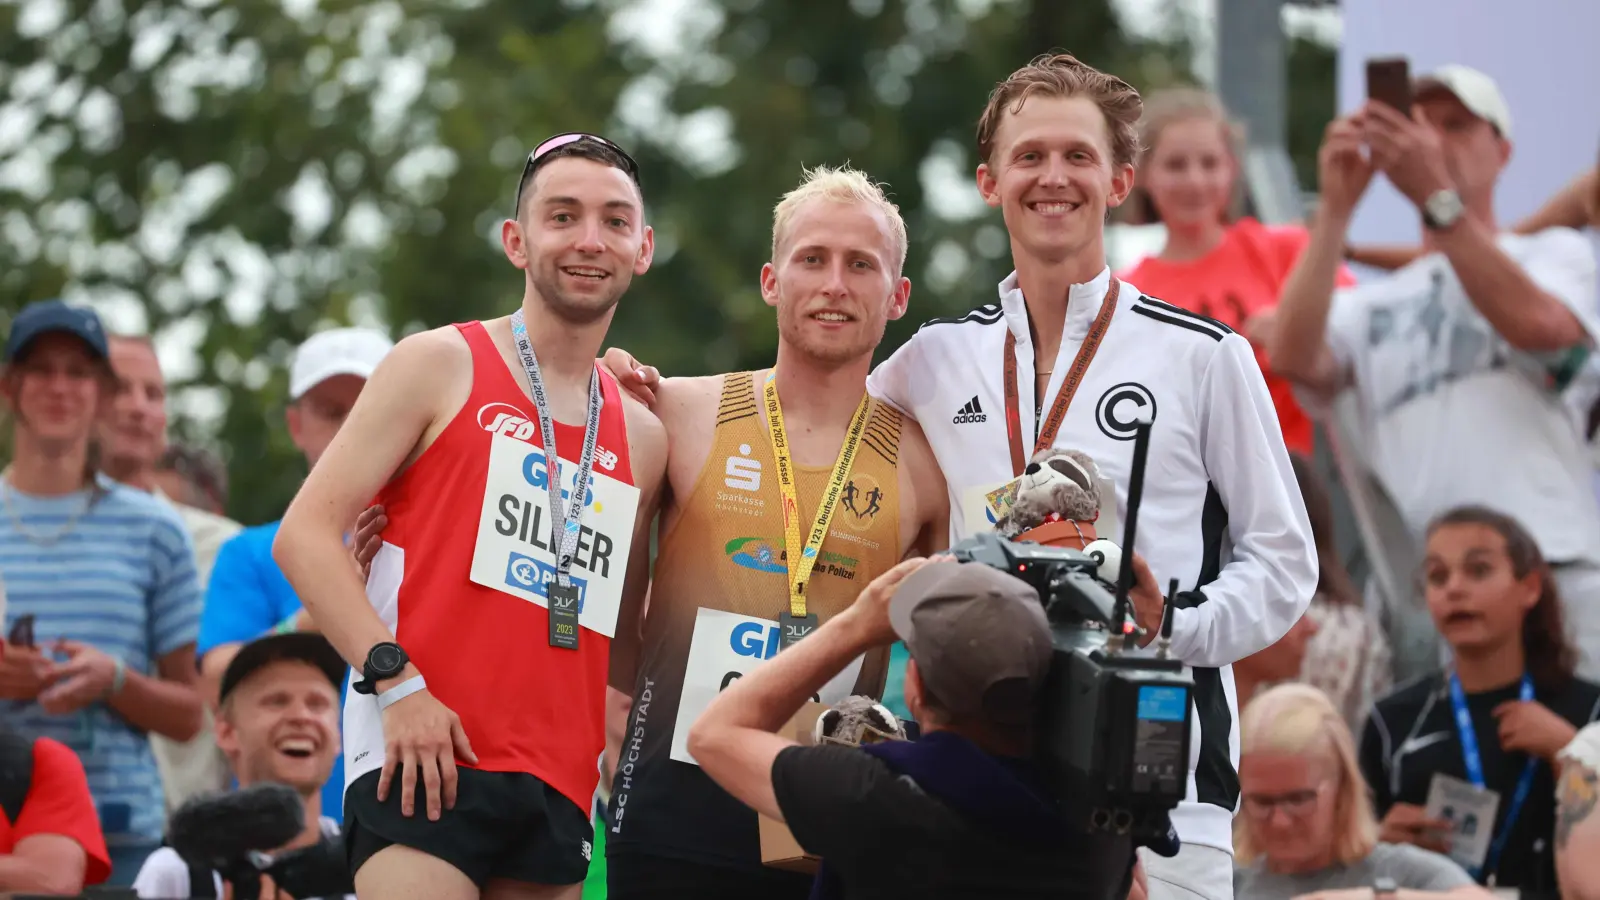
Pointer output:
123, 580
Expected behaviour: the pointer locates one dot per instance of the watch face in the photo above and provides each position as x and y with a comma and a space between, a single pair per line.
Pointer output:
386, 658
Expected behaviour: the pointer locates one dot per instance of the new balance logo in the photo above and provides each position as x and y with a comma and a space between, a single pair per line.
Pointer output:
972, 412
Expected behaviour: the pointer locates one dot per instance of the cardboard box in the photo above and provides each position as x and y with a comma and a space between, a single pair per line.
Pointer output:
779, 849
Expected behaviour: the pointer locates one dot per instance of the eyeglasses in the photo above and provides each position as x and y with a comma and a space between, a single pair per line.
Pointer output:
561, 140
1295, 804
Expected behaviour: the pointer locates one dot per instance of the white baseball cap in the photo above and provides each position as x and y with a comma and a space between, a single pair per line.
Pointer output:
338, 351
1476, 91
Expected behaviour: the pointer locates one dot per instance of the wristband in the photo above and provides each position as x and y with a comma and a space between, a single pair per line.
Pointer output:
286, 626
119, 677
401, 691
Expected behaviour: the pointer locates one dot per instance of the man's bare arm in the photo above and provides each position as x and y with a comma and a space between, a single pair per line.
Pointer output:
1525, 314
44, 864
1578, 832
1574, 206
167, 704
405, 397
1297, 346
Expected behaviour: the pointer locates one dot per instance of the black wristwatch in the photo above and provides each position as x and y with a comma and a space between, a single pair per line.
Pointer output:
384, 661
1384, 888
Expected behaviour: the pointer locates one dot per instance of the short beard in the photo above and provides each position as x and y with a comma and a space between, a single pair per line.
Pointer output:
579, 310
828, 354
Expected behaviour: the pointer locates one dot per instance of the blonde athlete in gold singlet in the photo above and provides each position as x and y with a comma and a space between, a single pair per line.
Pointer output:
863, 492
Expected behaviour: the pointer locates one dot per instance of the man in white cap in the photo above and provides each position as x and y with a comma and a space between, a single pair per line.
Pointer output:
248, 596
1462, 361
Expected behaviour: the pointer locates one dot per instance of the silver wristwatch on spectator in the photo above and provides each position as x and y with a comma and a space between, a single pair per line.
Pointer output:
1442, 209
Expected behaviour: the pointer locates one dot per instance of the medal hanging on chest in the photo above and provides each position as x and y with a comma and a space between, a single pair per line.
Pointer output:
797, 621
564, 600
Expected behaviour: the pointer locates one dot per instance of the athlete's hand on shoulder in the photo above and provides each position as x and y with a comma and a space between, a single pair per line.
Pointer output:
368, 538
422, 736
870, 612
639, 380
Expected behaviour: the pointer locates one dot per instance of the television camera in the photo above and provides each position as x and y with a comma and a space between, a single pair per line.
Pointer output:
1113, 728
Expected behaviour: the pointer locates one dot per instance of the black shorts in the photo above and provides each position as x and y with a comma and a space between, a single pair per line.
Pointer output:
504, 825
641, 876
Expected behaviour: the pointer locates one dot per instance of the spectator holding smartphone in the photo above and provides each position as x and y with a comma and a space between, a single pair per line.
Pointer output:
108, 575
1477, 344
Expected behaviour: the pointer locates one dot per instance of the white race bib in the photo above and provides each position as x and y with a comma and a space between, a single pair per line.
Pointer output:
723, 647
513, 553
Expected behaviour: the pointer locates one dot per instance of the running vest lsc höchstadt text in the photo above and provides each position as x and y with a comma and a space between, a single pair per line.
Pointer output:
460, 579
720, 584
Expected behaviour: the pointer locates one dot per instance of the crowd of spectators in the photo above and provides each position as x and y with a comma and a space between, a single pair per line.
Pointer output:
154, 651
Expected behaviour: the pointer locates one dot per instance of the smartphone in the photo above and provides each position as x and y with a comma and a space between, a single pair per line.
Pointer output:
1389, 81
21, 632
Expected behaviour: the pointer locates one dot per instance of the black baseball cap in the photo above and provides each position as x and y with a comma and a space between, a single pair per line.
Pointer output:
46, 316
300, 646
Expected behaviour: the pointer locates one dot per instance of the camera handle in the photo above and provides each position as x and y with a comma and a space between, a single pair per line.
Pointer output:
1130, 527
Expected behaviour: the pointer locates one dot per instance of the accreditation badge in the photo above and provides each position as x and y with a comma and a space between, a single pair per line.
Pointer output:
724, 646
513, 552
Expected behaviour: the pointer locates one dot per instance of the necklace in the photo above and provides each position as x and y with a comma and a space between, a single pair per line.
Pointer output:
43, 540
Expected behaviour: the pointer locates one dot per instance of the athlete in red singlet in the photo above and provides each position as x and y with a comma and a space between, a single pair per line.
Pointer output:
482, 646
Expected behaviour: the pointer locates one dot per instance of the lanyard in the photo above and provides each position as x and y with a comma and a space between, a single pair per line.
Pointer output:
801, 560
1474, 763
561, 596
1058, 410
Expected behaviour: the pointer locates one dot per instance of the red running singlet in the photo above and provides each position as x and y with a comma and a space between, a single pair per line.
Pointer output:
485, 648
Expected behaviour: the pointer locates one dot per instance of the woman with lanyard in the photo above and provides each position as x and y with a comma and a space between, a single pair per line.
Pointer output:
1478, 743
103, 602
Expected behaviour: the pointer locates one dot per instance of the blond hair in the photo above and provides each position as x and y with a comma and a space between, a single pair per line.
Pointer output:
1300, 719
1063, 75
840, 184
1173, 106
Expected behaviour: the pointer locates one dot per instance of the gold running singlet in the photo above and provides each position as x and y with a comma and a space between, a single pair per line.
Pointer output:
719, 587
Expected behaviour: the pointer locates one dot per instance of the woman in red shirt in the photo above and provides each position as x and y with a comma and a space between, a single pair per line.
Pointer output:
1215, 262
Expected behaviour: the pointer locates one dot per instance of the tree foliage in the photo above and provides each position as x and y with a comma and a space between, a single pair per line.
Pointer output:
232, 175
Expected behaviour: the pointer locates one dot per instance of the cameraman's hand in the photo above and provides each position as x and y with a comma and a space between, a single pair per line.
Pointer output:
422, 735
870, 612
1148, 603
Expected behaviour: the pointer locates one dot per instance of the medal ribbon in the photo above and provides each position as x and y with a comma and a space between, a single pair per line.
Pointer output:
1474, 764
563, 522
1069, 386
801, 559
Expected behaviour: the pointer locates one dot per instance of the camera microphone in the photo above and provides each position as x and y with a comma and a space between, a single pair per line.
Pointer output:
222, 831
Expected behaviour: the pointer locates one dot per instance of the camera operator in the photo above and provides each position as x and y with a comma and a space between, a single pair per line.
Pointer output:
961, 812
277, 721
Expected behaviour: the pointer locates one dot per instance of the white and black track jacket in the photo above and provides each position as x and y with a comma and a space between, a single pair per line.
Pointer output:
1221, 512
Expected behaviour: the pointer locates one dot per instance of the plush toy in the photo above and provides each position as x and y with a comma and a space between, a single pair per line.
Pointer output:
858, 720
1057, 504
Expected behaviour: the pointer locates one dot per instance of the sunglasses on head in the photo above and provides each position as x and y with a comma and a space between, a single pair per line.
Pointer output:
561, 140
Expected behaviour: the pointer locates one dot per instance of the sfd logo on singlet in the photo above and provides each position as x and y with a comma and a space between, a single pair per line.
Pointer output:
503, 418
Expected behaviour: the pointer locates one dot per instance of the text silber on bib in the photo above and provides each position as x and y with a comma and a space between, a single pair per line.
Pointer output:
513, 552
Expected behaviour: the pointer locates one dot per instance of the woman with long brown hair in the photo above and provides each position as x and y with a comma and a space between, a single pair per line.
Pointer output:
1500, 714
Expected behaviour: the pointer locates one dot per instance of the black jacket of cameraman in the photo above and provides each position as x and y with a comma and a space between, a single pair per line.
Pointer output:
939, 817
